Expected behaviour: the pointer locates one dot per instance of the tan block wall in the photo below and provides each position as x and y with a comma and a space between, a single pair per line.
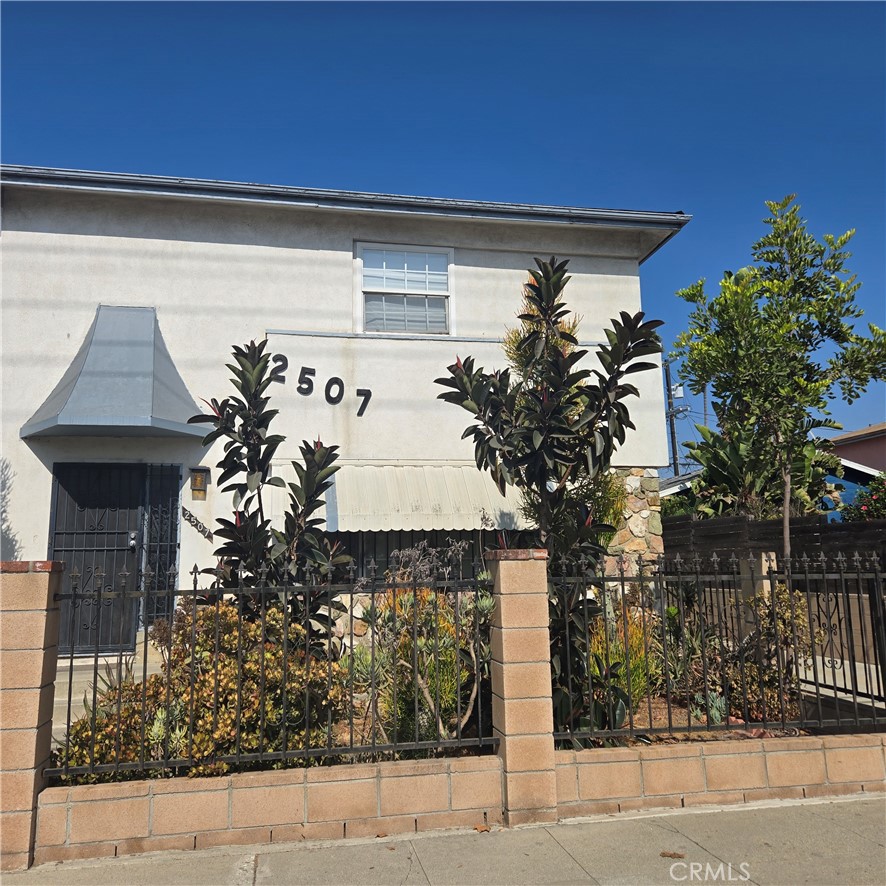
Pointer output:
522, 712
607, 780
28, 648
91, 821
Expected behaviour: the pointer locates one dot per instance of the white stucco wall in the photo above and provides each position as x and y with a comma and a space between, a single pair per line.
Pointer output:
222, 274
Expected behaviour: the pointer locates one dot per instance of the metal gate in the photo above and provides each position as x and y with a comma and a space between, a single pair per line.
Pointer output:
109, 519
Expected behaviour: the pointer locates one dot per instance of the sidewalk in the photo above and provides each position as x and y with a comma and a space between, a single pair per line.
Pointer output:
791, 842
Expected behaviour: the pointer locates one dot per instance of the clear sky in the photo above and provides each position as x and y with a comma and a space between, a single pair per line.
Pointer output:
709, 108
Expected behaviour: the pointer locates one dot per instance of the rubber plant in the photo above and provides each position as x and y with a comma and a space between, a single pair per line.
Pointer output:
255, 553
545, 430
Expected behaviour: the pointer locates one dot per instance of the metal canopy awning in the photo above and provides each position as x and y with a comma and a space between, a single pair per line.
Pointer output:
397, 497
122, 383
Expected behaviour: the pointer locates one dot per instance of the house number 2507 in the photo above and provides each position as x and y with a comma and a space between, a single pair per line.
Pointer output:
334, 391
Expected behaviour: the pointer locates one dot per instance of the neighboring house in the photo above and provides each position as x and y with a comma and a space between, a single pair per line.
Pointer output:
865, 447
122, 297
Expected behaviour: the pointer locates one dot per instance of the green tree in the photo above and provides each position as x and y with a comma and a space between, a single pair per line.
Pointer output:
778, 343
547, 425
600, 498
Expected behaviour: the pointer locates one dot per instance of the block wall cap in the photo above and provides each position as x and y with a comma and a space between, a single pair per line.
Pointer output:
525, 554
13, 566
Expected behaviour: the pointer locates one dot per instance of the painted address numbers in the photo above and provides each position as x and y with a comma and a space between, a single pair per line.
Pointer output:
334, 391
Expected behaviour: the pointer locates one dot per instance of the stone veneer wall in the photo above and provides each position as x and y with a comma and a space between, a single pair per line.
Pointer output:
638, 537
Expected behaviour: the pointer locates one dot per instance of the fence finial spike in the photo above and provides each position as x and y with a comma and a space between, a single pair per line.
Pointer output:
856, 560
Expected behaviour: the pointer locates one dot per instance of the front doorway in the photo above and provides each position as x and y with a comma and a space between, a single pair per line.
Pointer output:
109, 519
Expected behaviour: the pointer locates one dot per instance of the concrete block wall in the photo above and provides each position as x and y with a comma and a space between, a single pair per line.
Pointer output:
527, 781
320, 803
522, 713
607, 780
29, 617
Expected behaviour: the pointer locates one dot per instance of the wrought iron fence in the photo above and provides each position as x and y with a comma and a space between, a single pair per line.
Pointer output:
705, 645
264, 677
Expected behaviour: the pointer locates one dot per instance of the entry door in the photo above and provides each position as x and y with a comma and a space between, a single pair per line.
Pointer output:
108, 519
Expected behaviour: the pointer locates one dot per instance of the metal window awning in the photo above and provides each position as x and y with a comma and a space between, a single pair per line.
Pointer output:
397, 497
122, 383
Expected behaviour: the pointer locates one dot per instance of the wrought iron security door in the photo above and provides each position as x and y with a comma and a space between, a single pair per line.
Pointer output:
109, 519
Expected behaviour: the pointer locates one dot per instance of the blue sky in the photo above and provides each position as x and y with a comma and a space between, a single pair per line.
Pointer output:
706, 108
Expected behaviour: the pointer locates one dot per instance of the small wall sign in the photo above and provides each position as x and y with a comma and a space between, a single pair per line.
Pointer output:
190, 518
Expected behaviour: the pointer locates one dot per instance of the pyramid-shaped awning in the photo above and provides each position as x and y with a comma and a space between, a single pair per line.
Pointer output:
122, 383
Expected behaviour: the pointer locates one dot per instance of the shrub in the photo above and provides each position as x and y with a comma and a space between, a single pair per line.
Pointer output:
221, 692
629, 637
869, 503
427, 664
693, 654
761, 671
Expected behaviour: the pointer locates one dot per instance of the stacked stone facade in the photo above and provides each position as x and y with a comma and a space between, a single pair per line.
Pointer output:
638, 538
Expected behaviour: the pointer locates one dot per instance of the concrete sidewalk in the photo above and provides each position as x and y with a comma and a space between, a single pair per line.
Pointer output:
790, 842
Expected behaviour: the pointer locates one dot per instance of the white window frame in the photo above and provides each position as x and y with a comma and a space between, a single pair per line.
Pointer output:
360, 292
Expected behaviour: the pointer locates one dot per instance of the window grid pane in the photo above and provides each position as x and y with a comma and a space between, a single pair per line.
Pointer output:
400, 313
399, 270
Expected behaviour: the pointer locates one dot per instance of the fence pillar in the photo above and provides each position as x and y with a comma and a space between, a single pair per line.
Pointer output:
754, 571
29, 617
522, 710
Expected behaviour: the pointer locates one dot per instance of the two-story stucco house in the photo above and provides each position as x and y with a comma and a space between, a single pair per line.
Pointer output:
123, 294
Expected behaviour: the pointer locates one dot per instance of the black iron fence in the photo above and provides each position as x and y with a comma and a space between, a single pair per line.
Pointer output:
265, 677
707, 645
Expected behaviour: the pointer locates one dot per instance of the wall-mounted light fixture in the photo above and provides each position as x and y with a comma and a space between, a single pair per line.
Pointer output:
199, 483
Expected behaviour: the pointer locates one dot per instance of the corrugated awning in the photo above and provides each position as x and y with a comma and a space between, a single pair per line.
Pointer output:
383, 498
122, 383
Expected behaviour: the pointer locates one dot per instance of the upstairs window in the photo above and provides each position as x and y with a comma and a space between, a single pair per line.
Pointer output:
406, 290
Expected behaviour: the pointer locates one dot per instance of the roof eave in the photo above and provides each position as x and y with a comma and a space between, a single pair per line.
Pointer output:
349, 201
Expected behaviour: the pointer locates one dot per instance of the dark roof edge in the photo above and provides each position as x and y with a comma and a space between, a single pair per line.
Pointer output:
874, 430
158, 185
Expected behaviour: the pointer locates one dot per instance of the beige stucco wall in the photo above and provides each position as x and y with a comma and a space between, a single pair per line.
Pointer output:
220, 274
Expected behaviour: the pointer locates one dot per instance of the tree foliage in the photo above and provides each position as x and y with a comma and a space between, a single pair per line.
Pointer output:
778, 343
735, 481
546, 425
600, 498
255, 553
